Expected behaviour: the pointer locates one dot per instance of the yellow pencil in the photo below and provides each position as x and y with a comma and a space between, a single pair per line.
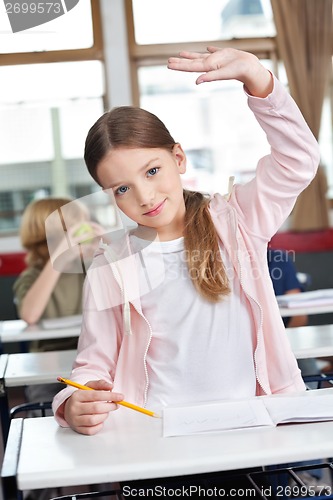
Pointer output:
122, 403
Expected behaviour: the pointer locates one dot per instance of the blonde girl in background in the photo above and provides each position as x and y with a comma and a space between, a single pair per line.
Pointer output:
42, 291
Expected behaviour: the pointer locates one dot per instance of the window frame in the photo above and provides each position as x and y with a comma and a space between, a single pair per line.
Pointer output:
155, 54
95, 52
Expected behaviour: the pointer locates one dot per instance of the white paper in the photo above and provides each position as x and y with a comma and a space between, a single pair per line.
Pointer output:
214, 417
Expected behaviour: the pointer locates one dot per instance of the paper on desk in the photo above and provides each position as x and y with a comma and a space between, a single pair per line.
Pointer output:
63, 322
214, 417
314, 297
311, 406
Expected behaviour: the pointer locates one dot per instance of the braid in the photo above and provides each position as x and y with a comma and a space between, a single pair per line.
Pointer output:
204, 261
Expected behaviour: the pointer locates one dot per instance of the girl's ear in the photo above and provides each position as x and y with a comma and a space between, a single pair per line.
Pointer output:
180, 158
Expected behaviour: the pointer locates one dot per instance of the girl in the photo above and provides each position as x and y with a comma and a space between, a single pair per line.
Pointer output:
41, 291
213, 318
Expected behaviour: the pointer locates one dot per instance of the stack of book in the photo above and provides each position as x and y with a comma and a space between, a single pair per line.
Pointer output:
306, 299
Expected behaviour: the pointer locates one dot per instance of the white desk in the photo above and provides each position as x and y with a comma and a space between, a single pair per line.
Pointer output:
18, 331
43, 367
37, 367
29, 369
131, 447
311, 341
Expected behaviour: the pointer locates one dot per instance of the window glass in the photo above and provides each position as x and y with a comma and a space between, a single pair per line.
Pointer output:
51, 81
76, 118
192, 20
72, 30
43, 125
25, 134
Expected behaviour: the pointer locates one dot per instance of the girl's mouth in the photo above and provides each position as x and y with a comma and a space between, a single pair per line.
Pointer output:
156, 210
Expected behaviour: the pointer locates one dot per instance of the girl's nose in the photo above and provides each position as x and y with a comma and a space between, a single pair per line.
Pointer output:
145, 195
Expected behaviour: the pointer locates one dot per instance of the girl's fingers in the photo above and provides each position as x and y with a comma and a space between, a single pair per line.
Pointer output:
212, 49
88, 418
94, 408
210, 76
184, 54
89, 424
187, 59
102, 385
195, 65
97, 396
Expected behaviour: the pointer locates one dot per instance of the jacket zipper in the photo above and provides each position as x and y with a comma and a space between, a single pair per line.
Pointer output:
144, 318
250, 298
145, 354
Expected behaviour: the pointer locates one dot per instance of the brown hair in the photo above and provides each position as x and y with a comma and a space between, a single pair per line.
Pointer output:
132, 127
32, 230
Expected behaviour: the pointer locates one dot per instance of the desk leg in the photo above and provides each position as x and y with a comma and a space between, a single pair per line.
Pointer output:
4, 408
10, 462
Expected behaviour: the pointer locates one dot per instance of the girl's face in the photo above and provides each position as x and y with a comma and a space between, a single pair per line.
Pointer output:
147, 186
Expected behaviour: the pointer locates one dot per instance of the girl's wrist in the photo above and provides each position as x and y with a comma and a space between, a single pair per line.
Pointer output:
259, 83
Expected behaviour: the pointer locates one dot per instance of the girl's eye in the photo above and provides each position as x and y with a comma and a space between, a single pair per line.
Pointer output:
153, 171
121, 190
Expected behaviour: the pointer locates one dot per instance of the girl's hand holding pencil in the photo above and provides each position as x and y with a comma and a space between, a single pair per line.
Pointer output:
86, 410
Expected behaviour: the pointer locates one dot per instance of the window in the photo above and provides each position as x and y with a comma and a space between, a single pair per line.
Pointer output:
75, 35
190, 20
48, 102
72, 30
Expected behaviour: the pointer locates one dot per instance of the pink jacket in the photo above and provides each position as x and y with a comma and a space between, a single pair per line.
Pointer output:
114, 341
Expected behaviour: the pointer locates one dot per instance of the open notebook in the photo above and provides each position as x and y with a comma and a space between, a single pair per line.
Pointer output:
310, 406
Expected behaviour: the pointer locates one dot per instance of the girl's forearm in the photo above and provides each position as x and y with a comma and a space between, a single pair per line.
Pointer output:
38, 296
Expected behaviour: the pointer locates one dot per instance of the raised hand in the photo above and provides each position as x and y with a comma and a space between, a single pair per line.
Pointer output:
226, 64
